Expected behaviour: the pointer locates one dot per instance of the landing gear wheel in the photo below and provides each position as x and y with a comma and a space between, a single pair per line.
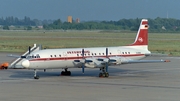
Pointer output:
103, 74
62, 73
66, 73
100, 74
36, 77
106, 74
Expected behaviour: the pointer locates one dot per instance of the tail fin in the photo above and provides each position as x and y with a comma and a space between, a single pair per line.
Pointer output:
142, 35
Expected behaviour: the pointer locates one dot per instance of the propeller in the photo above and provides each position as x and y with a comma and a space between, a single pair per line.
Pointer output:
108, 60
84, 61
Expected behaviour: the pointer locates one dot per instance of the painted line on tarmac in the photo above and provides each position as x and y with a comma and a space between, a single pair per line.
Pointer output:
153, 70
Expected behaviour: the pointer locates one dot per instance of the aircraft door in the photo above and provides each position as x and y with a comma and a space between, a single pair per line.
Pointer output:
64, 55
119, 52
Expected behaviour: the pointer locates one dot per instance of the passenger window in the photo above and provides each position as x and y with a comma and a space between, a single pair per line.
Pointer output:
51, 56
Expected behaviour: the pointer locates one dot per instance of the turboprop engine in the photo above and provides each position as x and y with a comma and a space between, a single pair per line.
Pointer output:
117, 60
100, 62
94, 64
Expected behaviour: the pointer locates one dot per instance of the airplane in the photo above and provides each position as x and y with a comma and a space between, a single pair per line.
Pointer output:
94, 57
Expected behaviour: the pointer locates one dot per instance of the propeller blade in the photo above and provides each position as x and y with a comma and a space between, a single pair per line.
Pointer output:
106, 66
83, 68
84, 62
83, 53
106, 52
108, 60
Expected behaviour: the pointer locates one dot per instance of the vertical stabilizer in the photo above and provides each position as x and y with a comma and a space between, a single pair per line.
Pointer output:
142, 35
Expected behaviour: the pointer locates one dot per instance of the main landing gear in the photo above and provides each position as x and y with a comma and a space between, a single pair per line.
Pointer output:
66, 72
104, 73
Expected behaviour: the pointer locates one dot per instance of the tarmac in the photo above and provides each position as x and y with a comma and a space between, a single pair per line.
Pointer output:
129, 82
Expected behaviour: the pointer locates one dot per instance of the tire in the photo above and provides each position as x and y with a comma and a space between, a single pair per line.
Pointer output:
36, 77
106, 74
100, 75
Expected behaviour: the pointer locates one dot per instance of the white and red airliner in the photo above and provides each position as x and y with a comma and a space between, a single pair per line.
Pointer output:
96, 57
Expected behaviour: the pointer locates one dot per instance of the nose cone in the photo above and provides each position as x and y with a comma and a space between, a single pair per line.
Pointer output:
25, 63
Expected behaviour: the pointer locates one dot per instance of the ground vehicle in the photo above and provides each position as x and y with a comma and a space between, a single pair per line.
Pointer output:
4, 65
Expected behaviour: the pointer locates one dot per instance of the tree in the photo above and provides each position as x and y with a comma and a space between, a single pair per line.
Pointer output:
5, 27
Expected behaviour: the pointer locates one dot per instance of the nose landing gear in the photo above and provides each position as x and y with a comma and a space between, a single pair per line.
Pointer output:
35, 76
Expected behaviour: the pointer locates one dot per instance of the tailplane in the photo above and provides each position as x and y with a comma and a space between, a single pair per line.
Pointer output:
142, 35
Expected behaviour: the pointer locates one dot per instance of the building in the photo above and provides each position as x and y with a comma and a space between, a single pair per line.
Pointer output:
77, 20
69, 19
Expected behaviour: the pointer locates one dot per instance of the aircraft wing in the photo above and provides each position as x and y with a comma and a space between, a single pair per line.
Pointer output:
122, 60
98, 62
146, 61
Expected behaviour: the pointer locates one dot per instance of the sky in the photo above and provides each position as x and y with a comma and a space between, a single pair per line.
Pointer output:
90, 10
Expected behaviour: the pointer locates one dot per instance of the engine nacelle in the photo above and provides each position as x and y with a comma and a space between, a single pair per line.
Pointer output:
94, 64
118, 60
100, 62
